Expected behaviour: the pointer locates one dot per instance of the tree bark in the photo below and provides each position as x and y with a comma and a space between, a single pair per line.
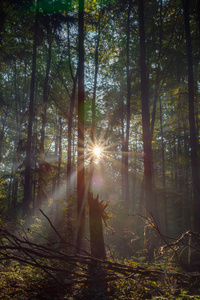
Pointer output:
97, 281
69, 150
42, 181
70, 119
93, 125
27, 185
193, 138
80, 162
54, 180
59, 167
163, 170
123, 141
145, 116
96, 228
128, 113
157, 81
198, 15
96, 64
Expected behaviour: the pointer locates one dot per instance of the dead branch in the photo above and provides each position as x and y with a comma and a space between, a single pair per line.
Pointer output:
73, 269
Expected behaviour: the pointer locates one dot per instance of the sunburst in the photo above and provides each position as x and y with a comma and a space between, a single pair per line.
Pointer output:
97, 151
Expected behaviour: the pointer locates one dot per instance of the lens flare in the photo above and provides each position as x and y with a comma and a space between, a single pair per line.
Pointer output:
97, 151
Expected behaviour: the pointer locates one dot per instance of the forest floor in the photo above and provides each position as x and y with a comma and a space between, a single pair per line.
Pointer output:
36, 267
20, 281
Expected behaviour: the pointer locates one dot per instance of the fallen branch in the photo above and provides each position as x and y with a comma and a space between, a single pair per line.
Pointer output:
69, 270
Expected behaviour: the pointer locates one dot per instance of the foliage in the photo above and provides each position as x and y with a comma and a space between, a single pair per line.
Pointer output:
49, 270
166, 52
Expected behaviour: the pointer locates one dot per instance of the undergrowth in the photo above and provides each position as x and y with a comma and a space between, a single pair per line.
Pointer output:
18, 281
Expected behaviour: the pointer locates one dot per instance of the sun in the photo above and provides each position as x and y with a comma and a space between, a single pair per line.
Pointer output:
97, 151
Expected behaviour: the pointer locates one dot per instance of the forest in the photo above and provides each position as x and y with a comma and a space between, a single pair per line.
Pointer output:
99, 149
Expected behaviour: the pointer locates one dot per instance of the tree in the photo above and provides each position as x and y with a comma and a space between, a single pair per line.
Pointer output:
80, 161
124, 69
128, 113
27, 184
149, 201
41, 180
193, 138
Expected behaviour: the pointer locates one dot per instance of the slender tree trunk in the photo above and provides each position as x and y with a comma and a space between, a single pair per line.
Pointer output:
3, 119
35, 147
179, 200
80, 162
163, 170
157, 81
193, 138
27, 185
16, 154
2, 131
187, 201
198, 15
96, 63
156, 97
59, 168
70, 137
69, 150
128, 113
123, 142
60, 151
70, 121
45, 100
1, 144
93, 126
54, 180
175, 156
44, 116
149, 201
135, 171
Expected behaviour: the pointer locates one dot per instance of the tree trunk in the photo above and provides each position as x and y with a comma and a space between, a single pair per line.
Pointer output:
198, 15
97, 281
149, 201
157, 81
93, 125
128, 113
123, 150
54, 180
16, 154
96, 228
193, 138
69, 150
163, 171
69, 161
59, 169
80, 162
41, 181
70, 119
186, 197
96, 63
2, 132
27, 185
